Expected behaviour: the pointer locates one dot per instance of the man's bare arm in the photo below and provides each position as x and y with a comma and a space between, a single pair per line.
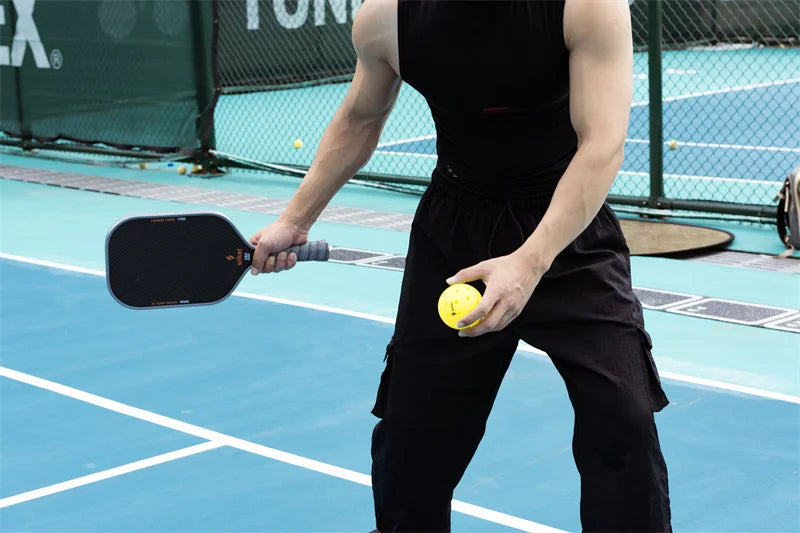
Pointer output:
598, 35
349, 140
352, 135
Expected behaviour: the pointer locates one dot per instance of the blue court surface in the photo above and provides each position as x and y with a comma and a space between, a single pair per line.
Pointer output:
254, 415
264, 408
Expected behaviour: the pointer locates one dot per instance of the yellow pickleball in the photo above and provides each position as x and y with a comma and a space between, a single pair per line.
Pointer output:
456, 302
297, 143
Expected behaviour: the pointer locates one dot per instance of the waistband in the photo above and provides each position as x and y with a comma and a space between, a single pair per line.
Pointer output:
531, 193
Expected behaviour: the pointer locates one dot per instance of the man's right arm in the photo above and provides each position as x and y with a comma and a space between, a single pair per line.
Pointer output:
349, 140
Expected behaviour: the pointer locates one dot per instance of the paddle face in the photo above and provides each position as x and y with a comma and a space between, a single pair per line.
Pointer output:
173, 260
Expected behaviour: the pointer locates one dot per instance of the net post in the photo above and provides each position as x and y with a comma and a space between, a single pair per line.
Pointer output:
656, 107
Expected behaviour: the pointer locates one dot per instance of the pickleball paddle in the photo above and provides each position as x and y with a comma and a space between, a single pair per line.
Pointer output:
182, 259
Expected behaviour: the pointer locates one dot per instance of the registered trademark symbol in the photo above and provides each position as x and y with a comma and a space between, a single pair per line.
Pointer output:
56, 59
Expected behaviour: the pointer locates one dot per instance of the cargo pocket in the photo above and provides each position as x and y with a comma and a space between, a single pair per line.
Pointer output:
382, 399
658, 398
612, 225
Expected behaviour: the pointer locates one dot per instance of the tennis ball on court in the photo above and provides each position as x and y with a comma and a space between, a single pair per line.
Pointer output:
297, 143
181, 169
673, 144
142, 165
197, 169
456, 302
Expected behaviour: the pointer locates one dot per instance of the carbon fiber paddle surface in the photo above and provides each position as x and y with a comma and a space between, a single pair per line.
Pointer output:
177, 260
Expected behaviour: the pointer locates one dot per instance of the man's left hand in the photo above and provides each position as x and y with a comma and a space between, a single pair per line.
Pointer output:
510, 281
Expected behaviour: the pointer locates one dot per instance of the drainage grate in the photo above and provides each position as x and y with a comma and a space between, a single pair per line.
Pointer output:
786, 265
351, 255
202, 196
657, 300
672, 302
787, 324
730, 311
397, 262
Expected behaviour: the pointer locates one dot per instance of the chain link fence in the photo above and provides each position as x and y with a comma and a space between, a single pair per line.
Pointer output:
148, 74
731, 98
284, 69
730, 83
729, 92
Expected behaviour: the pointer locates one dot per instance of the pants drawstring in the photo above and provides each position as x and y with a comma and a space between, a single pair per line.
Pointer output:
506, 207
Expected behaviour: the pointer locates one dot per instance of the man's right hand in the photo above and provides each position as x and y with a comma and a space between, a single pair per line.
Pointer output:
271, 243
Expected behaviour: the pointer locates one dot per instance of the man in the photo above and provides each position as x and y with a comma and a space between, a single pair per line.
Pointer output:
530, 100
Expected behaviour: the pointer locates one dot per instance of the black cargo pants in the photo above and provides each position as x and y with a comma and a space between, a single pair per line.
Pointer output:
437, 389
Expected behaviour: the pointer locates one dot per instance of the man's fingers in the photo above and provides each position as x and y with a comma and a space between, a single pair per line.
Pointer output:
291, 261
505, 320
486, 325
265, 261
472, 273
496, 320
482, 310
280, 261
260, 258
269, 266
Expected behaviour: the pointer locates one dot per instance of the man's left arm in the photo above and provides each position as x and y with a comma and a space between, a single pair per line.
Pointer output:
598, 35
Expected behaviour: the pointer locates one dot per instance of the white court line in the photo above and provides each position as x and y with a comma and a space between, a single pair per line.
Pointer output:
410, 154
220, 439
704, 178
51, 264
412, 139
385, 320
636, 141
729, 386
644, 103
703, 381
721, 91
728, 146
107, 474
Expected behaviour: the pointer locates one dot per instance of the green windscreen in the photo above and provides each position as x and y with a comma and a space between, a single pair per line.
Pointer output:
267, 44
121, 73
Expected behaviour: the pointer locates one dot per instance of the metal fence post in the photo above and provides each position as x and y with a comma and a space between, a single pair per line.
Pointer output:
656, 108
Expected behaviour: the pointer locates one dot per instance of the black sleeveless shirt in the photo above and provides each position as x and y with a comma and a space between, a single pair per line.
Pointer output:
495, 74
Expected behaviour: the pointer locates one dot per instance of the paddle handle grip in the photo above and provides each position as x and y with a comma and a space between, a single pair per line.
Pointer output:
312, 251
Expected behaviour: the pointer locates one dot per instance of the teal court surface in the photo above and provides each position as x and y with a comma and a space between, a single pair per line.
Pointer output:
254, 415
